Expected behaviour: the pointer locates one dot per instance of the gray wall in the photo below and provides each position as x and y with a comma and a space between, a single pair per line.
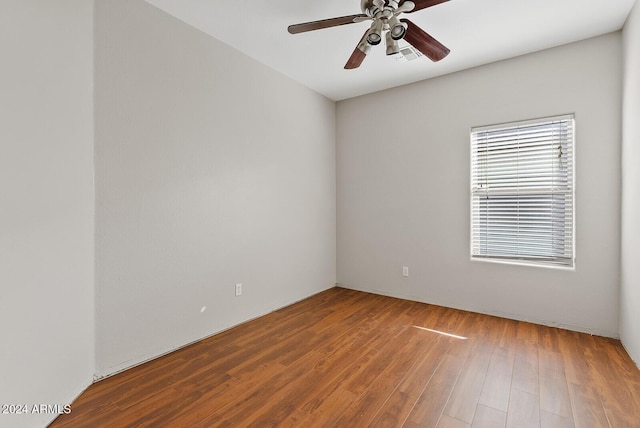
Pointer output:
403, 190
211, 170
630, 289
46, 204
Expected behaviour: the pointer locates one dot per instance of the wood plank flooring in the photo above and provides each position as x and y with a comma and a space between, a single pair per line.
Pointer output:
345, 358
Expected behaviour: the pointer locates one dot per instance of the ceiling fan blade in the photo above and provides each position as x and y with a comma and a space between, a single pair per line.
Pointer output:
359, 53
423, 4
419, 39
324, 23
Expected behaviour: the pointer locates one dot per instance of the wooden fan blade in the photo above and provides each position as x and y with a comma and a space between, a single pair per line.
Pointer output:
323, 23
357, 56
423, 4
355, 59
419, 39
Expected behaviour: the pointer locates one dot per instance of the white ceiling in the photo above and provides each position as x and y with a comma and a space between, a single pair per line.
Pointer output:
477, 32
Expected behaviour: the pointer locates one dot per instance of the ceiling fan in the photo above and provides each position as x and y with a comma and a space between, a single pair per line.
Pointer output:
384, 16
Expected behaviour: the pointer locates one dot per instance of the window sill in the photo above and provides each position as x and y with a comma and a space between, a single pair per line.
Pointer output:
524, 263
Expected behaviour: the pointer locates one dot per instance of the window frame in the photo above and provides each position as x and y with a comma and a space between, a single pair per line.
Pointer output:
557, 261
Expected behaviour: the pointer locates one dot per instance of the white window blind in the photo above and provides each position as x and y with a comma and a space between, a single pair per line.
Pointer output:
522, 194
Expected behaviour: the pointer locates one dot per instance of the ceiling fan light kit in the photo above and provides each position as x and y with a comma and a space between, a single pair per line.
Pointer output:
385, 22
374, 35
397, 30
392, 45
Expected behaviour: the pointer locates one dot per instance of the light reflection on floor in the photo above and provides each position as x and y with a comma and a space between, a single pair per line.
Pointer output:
441, 332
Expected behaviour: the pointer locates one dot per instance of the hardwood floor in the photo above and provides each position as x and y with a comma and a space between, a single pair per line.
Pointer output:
345, 358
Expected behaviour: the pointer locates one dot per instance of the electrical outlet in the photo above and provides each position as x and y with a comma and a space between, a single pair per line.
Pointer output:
238, 289
405, 271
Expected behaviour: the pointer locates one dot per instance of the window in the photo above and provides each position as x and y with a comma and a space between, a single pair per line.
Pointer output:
522, 192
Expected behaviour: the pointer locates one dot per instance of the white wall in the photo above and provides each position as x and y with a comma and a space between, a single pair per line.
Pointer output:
46, 204
630, 277
211, 170
403, 187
